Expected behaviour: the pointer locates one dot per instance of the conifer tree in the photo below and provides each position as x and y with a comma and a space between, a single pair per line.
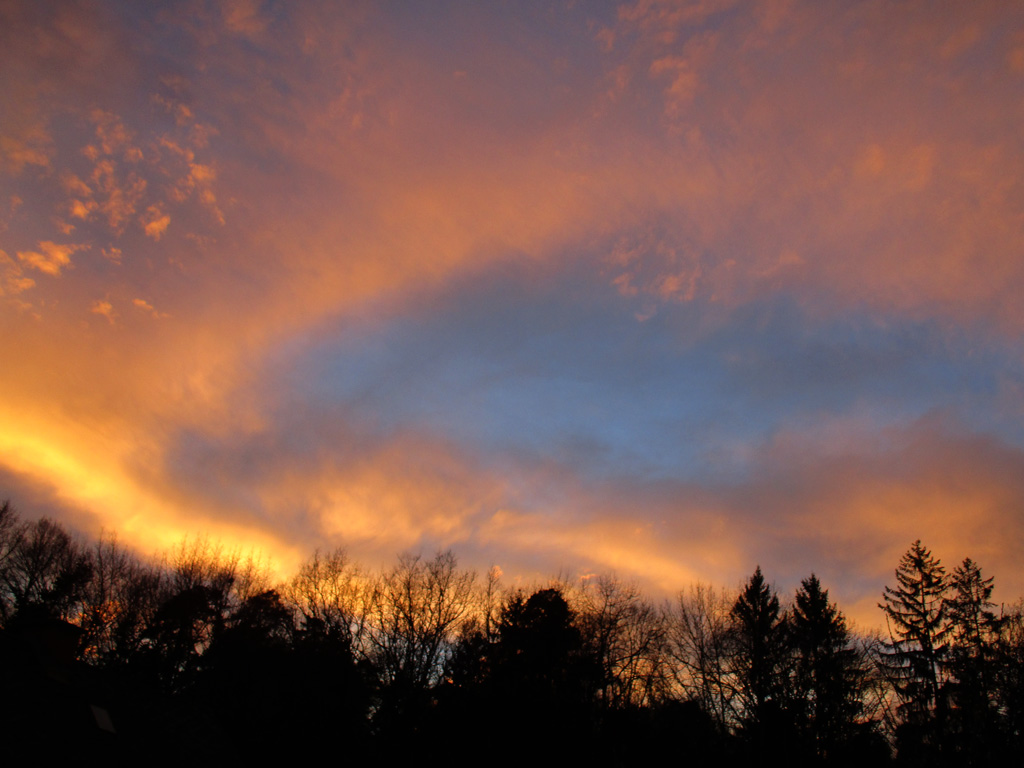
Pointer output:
828, 676
973, 642
761, 658
973, 623
919, 630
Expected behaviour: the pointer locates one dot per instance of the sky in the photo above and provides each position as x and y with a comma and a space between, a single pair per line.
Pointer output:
660, 289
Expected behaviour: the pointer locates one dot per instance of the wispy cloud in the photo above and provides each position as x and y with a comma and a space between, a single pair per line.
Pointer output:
51, 257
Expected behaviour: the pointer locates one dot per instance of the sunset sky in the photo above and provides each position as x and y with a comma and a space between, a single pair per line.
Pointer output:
664, 289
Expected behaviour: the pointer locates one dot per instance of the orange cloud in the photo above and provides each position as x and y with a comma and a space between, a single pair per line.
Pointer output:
147, 307
11, 279
155, 222
113, 137
243, 17
30, 147
817, 149
94, 471
104, 308
53, 258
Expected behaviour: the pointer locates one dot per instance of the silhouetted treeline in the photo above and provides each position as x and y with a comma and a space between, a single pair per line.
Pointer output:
200, 658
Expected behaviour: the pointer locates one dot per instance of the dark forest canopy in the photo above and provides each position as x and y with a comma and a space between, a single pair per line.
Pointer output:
202, 654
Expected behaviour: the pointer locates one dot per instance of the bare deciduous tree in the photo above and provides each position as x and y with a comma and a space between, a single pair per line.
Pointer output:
415, 610
120, 602
43, 569
701, 645
330, 593
627, 637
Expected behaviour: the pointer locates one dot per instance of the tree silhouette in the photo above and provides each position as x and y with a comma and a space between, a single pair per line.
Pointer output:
201, 589
1009, 681
626, 638
10, 537
199, 653
330, 594
916, 613
701, 646
828, 675
43, 570
415, 610
121, 600
974, 634
761, 662
540, 674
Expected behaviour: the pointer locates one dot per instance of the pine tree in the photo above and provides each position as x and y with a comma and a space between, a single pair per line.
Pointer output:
973, 622
973, 644
761, 659
919, 629
1009, 678
828, 676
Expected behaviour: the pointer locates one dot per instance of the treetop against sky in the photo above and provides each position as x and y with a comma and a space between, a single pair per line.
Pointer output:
660, 288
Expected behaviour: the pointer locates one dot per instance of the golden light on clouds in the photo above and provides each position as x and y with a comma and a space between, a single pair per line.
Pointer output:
51, 257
